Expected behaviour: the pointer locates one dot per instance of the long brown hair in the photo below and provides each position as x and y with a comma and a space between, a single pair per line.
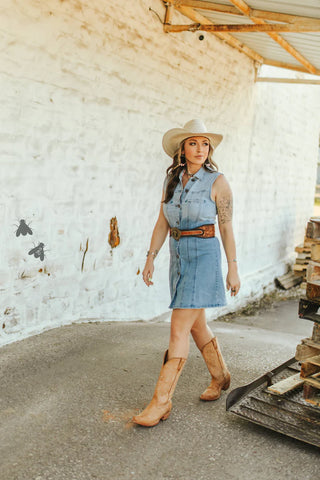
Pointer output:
178, 164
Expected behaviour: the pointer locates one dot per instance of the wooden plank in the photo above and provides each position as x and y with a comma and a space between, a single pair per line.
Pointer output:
311, 241
310, 342
289, 66
302, 248
299, 268
240, 28
304, 255
316, 333
289, 280
302, 261
315, 360
313, 290
311, 394
310, 366
315, 253
301, 81
313, 229
304, 351
287, 384
244, 8
313, 272
314, 400
313, 382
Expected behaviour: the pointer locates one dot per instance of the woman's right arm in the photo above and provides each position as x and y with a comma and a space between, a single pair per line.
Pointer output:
159, 235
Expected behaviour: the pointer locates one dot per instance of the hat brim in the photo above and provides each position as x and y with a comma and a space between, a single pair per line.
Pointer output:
173, 138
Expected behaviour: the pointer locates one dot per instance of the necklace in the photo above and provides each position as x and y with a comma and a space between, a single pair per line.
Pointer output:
189, 174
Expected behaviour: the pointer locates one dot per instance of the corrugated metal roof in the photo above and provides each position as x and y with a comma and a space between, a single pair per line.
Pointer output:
307, 44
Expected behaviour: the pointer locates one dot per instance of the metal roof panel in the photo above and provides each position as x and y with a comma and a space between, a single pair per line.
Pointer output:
307, 44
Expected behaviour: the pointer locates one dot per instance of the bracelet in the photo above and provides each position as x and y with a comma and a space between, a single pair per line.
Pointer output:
154, 254
233, 260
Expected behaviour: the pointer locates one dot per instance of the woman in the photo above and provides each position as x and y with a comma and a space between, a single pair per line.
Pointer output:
194, 192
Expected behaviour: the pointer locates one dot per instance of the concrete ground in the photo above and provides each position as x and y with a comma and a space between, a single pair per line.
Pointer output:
67, 397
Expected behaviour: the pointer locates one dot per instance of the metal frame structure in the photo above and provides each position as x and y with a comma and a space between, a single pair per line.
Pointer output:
244, 20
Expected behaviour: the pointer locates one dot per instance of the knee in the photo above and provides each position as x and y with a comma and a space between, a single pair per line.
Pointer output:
178, 334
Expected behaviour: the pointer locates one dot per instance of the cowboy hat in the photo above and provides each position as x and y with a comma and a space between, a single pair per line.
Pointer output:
195, 128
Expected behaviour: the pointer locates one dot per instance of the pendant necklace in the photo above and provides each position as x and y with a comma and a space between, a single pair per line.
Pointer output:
189, 174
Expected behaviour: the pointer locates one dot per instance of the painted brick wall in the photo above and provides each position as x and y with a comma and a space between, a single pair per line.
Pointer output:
87, 90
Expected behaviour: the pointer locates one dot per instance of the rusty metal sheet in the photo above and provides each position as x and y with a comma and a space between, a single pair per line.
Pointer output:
288, 414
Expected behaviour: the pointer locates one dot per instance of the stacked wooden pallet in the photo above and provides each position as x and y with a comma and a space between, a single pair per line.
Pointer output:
308, 354
310, 248
308, 351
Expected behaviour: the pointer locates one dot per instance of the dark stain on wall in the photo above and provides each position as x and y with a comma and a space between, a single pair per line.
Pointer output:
84, 254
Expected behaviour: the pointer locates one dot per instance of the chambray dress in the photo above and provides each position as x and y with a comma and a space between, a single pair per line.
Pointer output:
195, 263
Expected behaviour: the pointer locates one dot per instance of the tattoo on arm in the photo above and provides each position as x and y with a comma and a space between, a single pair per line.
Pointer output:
225, 207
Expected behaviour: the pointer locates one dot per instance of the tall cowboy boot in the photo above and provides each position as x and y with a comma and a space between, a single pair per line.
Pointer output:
160, 406
219, 372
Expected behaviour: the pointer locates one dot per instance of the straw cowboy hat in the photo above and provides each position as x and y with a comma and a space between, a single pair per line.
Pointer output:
195, 128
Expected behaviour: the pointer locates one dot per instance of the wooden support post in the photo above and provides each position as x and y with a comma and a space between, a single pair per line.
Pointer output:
168, 16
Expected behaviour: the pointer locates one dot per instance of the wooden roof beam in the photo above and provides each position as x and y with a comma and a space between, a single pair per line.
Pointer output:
232, 41
289, 66
263, 14
244, 8
264, 27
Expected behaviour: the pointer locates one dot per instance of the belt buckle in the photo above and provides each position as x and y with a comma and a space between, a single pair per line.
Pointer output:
175, 233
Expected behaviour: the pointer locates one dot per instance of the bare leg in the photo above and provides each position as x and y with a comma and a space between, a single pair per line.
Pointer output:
200, 331
182, 321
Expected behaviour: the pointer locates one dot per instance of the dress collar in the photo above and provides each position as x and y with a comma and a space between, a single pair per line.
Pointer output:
199, 175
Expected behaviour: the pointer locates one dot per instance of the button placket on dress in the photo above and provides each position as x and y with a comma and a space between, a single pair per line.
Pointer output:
182, 198
179, 206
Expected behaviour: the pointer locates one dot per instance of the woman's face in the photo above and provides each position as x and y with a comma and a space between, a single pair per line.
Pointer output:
196, 150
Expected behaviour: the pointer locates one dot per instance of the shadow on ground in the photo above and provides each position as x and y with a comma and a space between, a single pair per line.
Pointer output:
67, 397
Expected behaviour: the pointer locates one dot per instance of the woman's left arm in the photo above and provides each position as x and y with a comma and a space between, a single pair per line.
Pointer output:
222, 195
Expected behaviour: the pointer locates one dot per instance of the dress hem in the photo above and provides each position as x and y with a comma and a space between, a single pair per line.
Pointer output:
198, 308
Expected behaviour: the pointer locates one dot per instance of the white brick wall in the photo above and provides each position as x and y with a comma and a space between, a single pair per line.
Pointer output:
87, 91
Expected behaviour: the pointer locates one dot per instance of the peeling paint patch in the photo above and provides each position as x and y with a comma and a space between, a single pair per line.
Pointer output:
114, 237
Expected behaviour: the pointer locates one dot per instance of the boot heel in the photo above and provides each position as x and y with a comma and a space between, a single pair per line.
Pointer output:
166, 415
226, 384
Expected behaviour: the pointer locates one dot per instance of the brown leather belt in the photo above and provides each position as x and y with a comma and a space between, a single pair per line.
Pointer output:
204, 231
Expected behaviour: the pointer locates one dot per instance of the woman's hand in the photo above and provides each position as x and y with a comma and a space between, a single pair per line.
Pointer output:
233, 282
148, 271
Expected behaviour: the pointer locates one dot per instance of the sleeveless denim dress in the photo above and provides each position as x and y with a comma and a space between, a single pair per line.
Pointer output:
195, 263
